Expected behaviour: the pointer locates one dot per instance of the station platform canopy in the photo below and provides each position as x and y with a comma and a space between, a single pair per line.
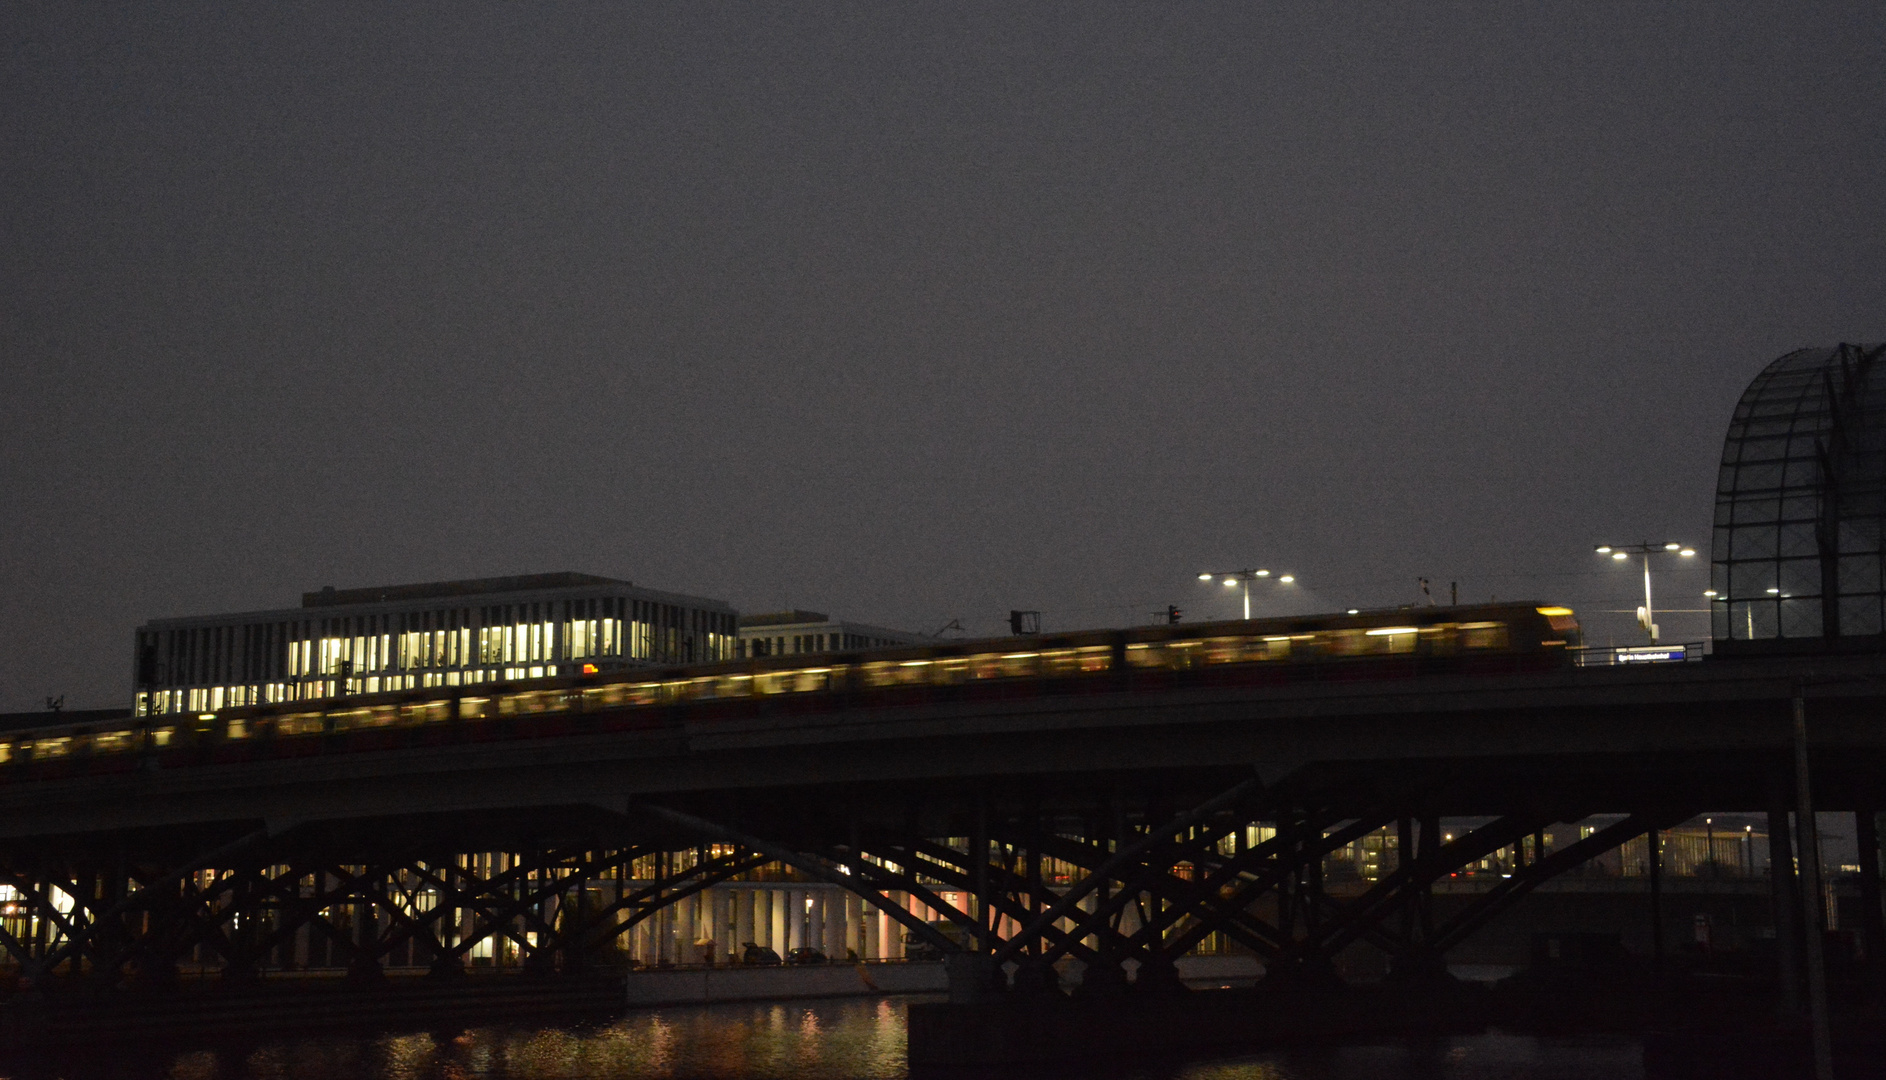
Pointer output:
1796, 563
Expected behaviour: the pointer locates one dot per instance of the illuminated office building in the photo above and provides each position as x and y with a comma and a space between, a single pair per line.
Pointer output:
451, 633
786, 633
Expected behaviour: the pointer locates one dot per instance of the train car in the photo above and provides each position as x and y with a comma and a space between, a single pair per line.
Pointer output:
1387, 644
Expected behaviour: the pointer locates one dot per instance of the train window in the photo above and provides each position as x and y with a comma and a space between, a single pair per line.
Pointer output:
1021, 663
1182, 655
1238, 650
52, 748
984, 665
522, 704
111, 742
6, 752
431, 712
1560, 618
812, 679
734, 686
1177, 655
1226, 650
161, 736
1076, 661
292, 724
1345, 642
950, 670
1483, 635
235, 729
907, 673
1390, 639
473, 708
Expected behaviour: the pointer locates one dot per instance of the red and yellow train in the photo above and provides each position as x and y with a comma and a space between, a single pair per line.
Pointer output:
1400, 643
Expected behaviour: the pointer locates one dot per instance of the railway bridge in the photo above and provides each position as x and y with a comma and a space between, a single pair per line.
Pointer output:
1111, 822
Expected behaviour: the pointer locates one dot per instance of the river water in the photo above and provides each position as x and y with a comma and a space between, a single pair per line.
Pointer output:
832, 1039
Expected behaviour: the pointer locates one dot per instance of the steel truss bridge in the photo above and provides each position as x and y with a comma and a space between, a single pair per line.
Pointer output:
1144, 799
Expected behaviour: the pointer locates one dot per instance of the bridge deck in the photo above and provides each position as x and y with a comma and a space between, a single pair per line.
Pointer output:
1710, 733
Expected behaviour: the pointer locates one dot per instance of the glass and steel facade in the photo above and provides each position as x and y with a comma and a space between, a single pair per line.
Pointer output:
455, 633
1797, 558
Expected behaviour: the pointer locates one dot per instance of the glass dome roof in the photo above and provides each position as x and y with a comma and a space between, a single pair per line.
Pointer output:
1800, 503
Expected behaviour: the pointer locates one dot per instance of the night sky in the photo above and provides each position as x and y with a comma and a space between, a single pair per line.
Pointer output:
903, 313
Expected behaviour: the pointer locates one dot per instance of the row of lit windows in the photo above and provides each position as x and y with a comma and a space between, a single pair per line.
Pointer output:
256, 653
786, 645
333, 654
520, 643
199, 699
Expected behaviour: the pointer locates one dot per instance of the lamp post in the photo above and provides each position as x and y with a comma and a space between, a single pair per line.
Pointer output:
1235, 578
1646, 616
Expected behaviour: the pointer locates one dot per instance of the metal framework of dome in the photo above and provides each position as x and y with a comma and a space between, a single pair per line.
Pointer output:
1800, 504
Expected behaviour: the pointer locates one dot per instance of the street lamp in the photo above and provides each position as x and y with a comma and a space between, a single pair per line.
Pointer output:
1235, 578
1646, 617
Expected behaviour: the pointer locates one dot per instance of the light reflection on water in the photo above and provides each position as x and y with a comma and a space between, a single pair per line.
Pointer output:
845, 1039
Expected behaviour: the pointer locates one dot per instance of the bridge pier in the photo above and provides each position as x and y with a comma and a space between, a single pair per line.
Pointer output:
973, 978
1872, 917
1784, 901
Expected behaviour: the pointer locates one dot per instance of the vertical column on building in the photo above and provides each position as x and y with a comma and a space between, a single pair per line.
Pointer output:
855, 927
795, 918
838, 925
1872, 919
744, 901
726, 916
815, 919
702, 917
890, 940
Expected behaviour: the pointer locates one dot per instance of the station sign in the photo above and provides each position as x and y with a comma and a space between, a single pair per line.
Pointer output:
1650, 654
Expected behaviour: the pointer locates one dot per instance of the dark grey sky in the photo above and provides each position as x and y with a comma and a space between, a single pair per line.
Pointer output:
900, 312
